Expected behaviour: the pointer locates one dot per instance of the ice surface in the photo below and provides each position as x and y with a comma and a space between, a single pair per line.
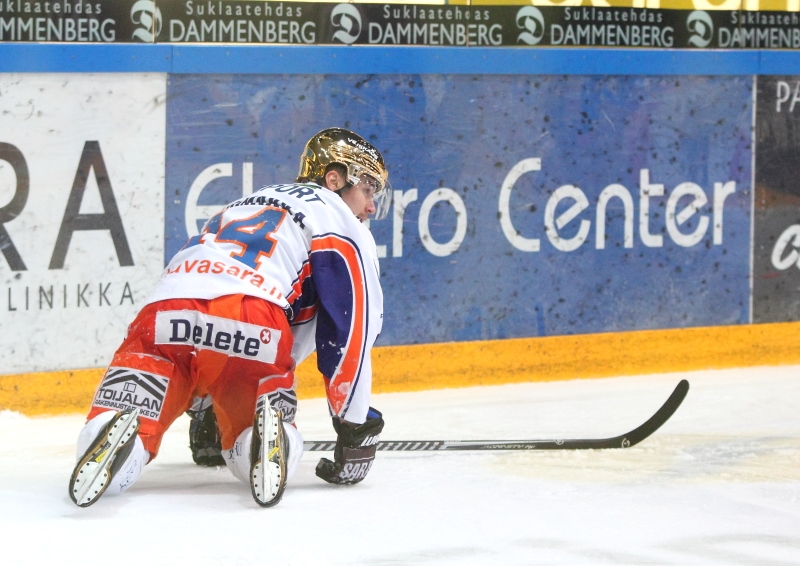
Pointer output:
717, 484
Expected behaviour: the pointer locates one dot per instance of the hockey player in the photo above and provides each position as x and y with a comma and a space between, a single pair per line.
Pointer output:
226, 319
204, 436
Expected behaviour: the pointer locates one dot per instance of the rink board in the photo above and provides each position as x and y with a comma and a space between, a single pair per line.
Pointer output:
472, 364
487, 172
530, 207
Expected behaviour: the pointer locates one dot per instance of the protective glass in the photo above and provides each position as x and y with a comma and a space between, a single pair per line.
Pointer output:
381, 193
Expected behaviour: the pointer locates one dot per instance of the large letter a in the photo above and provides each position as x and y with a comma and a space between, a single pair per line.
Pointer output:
110, 220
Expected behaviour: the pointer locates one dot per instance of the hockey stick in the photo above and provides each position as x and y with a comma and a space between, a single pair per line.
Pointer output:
623, 441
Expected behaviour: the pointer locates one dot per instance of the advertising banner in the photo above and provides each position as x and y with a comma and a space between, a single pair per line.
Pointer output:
307, 23
77, 21
776, 246
523, 206
81, 213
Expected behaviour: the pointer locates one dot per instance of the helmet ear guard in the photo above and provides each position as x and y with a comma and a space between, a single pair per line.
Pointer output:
337, 145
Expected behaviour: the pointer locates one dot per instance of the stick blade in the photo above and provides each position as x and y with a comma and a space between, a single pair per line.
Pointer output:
661, 416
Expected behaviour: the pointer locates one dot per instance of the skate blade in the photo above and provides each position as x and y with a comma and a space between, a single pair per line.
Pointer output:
92, 476
268, 473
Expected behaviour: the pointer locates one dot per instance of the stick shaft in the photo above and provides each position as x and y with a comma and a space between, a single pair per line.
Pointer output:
626, 440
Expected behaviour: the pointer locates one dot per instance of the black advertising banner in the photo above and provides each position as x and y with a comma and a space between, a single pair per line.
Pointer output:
776, 247
76, 21
304, 23
214, 21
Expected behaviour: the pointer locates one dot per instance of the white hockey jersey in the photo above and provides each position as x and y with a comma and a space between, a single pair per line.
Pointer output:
300, 247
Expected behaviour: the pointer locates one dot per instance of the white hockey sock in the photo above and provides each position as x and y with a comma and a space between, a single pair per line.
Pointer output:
238, 457
295, 449
131, 468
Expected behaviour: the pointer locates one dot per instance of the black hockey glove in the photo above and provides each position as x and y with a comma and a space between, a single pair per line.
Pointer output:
354, 452
204, 440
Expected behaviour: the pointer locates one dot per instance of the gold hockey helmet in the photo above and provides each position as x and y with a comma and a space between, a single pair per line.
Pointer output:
337, 145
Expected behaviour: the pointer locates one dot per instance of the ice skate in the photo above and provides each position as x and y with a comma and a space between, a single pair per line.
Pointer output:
268, 456
103, 458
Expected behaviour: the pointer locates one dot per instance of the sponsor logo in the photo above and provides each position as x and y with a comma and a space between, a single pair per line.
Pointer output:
418, 25
69, 21
220, 21
129, 475
760, 30
205, 267
784, 92
355, 471
530, 19
789, 238
206, 332
80, 295
508, 446
124, 388
701, 27
371, 440
284, 400
146, 15
364, 148
347, 20
609, 27
677, 223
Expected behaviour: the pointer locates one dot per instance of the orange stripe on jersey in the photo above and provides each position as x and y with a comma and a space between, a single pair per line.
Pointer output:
305, 314
350, 364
